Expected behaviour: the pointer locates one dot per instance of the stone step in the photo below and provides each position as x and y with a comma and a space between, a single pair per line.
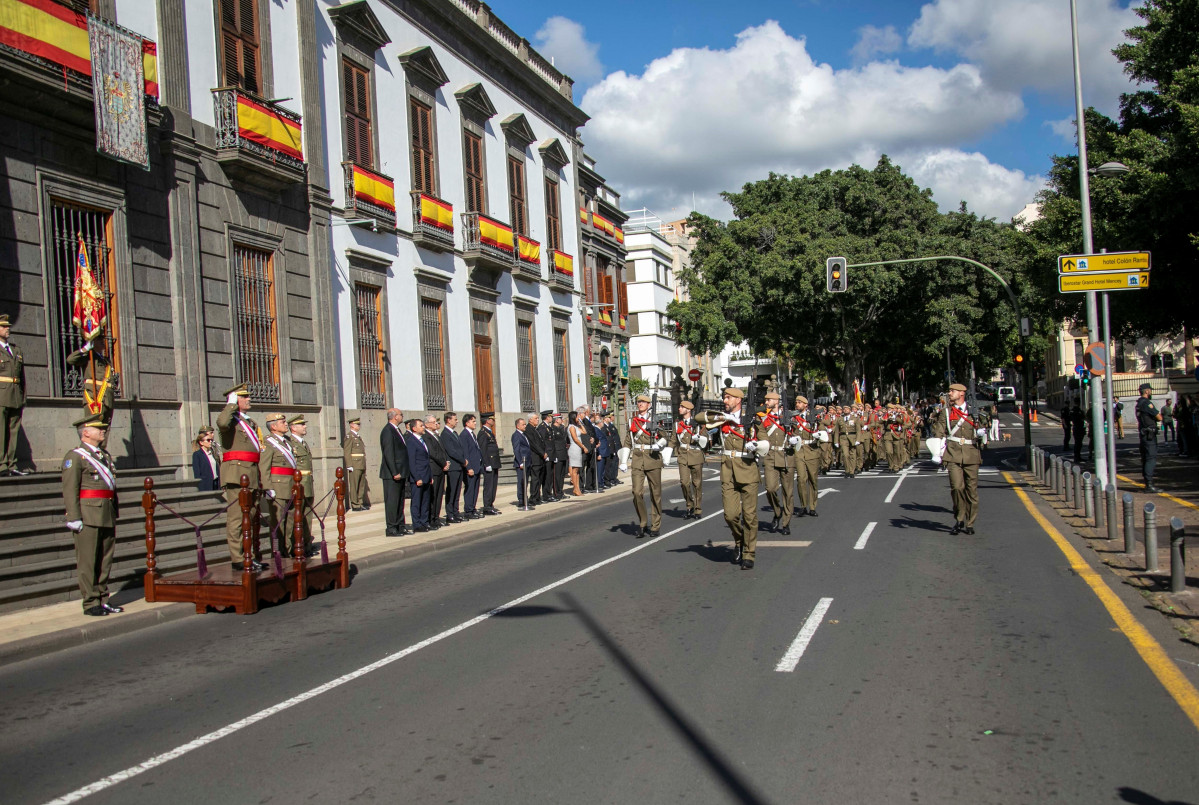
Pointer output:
40, 483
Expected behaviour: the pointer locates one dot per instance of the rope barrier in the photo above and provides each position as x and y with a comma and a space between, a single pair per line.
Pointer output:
201, 561
320, 518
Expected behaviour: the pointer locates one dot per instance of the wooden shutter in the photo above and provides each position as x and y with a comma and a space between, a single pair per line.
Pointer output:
423, 178
239, 44
553, 222
516, 195
356, 85
472, 146
623, 294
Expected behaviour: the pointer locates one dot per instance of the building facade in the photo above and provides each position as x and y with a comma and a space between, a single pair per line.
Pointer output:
602, 248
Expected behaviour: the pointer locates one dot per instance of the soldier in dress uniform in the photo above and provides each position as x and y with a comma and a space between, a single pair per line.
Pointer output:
849, 437
298, 426
646, 463
545, 429
241, 446
99, 394
893, 439
89, 495
959, 426
688, 442
277, 469
775, 465
739, 478
806, 441
353, 457
12, 398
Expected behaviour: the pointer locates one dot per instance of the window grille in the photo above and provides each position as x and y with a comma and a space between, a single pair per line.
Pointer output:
561, 368
423, 163
516, 195
239, 42
553, 215
526, 363
476, 192
432, 354
369, 339
356, 86
256, 346
68, 223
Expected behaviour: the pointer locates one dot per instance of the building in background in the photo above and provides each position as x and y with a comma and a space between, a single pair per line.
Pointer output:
602, 252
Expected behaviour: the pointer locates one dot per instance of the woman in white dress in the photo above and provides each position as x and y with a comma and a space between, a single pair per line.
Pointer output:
575, 450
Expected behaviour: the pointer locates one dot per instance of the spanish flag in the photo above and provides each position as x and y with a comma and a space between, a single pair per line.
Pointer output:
529, 251
268, 128
619, 233
435, 212
603, 223
150, 66
605, 317
495, 234
373, 188
564, 263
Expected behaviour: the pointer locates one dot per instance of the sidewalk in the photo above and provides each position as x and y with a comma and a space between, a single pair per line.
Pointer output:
41, 630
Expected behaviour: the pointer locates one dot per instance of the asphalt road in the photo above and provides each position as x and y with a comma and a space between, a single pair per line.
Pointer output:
943, 670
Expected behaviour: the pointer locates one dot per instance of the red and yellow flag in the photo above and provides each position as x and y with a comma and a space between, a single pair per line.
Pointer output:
436, 212
372, 187
495, 234
564, 263
90, 311
605, 317
619, 234
602, 223
528, 250
265, 126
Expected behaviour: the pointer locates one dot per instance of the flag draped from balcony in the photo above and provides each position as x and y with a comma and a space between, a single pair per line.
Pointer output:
435, 212
564, 264
529, 250
265, 126
495, 234
118, 81
374, 188
90, 311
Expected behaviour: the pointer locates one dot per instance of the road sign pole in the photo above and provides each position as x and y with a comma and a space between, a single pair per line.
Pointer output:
1107, 389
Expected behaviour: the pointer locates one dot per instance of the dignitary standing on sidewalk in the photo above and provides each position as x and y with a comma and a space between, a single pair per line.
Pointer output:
739, 477
451, 443
353, 456
561, 454
689, 440
439, 464
538, 459
89, 495
393, 472
472, 468
241, 443
521, 451
420, 474
491, 462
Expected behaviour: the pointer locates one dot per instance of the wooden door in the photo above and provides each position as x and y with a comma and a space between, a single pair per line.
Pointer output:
484, 388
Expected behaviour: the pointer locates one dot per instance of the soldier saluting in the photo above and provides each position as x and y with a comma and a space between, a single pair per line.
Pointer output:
241, 445
961, 431
89, 494
739, 477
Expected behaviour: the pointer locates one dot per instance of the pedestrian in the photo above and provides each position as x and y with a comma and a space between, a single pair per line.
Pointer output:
1168, 422
1118, 417
646, 465
739, 478
1148, 418
451, 444
1067, 418
958, 426
420, 474
1078, 424
689, 440
576, 450
521, 451
298, 427
89, 495
394, 472
353, 457
472, 468
241, 446
12, 398
206, 462
994, 436
491, 462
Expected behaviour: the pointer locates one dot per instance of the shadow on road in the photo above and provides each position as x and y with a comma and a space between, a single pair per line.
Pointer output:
1139, 797
737, 787
923, 525
632, 529
528, 612
919, 507
713, 553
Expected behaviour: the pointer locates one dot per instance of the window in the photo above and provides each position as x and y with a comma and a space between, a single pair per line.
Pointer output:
526, 359
369, 341
69, 223
589, 282
432, 354
356, 84
423, 164
605, 290
256, 348
562, 367
622, 299
472, 151
516, 195
239, 44
553, 215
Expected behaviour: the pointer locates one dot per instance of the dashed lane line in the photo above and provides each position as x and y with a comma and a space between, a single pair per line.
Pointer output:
861, 543
806, 633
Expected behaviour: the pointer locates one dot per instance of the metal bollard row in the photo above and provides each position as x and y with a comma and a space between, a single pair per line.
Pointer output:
1130, 526
1150, 538
1109, 495
1178, 556
1088, 491
1077, 472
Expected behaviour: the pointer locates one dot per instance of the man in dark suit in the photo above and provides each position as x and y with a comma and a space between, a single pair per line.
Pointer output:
561, 456
546, 431
439, 464
420, 475
491, 462
521, 450
452, 445
472, 468
538, 456
589, 459
614, 445
601, 450
393, 472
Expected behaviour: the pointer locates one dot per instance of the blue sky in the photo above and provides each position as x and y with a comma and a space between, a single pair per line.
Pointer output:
971, 97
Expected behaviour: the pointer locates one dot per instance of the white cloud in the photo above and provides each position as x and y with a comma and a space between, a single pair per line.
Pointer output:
699, 121
873, 41
955, 176
565, 41
1064, 128
1026, 43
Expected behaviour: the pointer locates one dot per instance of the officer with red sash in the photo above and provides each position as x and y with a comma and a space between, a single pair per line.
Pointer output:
241, 444
278, 468
89, 494
646, 462
961, 428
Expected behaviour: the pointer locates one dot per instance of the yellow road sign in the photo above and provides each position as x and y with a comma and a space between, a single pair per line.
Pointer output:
1107, 281
1112, 261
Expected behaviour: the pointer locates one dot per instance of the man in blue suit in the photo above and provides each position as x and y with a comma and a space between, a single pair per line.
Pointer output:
419, 474
454, 450
520, 460
472, 468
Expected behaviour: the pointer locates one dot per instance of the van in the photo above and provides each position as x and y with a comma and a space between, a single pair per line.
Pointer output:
1006, 394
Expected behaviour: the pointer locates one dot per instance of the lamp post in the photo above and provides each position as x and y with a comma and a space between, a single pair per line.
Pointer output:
1109, 169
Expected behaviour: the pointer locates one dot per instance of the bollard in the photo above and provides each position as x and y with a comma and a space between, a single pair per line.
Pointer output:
1130, 528
1053, 474
1077, 472
1061, 480
1067, 481
1150, 538
1088, 492
1109, 495
1178, 556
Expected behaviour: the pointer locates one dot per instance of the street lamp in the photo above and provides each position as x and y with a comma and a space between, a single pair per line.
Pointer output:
1109, 169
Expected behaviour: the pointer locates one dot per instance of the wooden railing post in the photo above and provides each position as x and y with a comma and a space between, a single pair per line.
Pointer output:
343, 558
297, 512
149, 501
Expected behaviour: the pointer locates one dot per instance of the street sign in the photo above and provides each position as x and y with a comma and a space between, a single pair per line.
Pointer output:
1079, 368
1106, 281
694, 375
1095, 358
624, 361
1111, 261
1025, 327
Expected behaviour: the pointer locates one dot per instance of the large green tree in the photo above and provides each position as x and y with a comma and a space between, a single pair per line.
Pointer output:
761, 278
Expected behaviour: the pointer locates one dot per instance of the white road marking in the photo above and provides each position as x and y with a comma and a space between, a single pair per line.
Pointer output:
800, 644
824, 492
676, 500
770, 543
261, 715
902, 474
861, 543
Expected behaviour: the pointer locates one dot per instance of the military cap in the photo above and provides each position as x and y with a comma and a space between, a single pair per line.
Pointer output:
352, 421
956, 387
4, 322
1144, 386
643, 398
557, 415
799, 398
690, 406
772, 395
298, 419
546, 414
486, 415
240, 390
733, 391
90, 420
274, 417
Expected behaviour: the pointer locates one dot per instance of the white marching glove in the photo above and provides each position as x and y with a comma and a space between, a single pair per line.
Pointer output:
349, 469
702, 441
75, 525
855, 444
750, 445
231, 399
792, 440
658, 445
837, 445
270, 493
822, 435
734, 418
487, 468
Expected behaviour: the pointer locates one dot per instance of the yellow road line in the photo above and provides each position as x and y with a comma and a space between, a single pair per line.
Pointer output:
1150, 650
1166, 495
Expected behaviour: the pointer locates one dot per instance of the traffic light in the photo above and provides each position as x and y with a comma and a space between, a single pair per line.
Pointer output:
835, 276
1019, 360
1084, 379
612, 378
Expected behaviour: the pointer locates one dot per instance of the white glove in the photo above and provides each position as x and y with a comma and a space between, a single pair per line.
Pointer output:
231, 399
487, 468
624, 467
88, 346
750, 446
658, 445
732, 418
792, 440
270, 493
349, 469
702, 441
822, 435
855, 444
837, 445
75, 525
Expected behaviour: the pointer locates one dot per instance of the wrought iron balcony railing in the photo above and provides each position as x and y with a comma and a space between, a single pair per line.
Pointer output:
370, 195
259, 137
432, 222
528, 259
488, 242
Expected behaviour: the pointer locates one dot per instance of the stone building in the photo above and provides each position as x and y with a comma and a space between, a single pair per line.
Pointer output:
601, 245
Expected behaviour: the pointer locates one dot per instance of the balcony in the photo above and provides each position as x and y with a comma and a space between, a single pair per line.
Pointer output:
562, 269
370, 195
528, 259
257, 140
488, 243
432, 222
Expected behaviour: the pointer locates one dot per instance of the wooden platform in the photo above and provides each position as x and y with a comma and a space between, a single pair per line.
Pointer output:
223, 587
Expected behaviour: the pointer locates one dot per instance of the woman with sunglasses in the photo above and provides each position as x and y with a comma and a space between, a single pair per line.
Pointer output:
206, 462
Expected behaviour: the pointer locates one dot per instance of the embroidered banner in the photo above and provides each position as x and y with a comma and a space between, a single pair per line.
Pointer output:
90, 312
374, 188
118, 81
